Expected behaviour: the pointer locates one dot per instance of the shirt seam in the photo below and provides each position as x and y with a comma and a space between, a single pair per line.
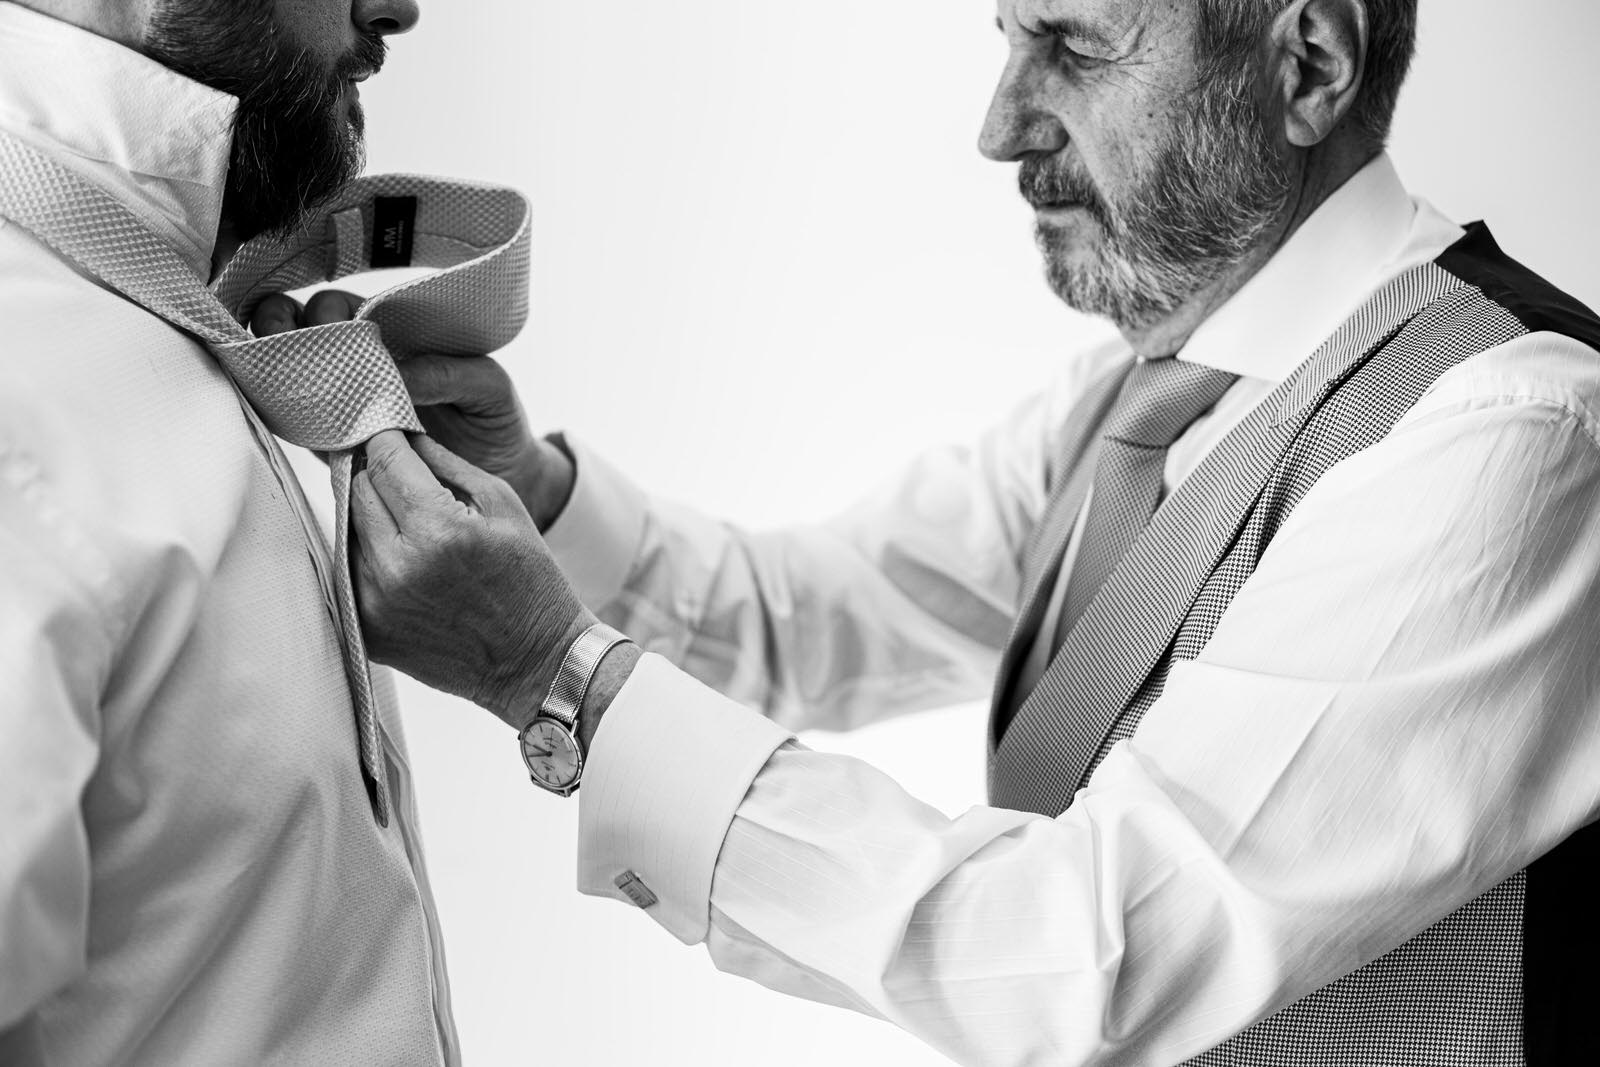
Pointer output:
1580, 419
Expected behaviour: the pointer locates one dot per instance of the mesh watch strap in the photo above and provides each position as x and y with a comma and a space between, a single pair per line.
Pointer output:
582, 659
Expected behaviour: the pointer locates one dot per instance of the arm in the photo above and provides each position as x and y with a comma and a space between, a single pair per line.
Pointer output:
54, 658
1396, 714
900, 603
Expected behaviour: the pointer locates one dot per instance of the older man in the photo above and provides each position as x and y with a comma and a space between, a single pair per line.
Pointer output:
190, 868
1295, 732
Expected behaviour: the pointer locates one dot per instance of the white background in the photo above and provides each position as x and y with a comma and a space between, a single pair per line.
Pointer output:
769, 265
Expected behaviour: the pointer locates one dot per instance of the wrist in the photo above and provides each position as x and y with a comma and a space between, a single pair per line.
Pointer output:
543, 479
526, 680
609, 678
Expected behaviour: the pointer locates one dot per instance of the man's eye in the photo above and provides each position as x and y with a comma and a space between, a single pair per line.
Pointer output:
1070, 56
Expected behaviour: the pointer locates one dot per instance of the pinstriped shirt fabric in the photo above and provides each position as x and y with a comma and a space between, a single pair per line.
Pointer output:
1393, 714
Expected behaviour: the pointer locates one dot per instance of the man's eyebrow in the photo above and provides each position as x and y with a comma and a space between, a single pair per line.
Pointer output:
1076, 29
1073, 29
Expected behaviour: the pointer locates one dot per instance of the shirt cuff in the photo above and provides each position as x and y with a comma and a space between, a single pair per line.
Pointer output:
596, 536
669, 766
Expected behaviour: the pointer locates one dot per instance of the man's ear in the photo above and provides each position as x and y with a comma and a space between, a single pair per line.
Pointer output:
1319, 50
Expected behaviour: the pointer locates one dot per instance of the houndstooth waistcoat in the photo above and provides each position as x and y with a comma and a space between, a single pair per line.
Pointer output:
1510, 978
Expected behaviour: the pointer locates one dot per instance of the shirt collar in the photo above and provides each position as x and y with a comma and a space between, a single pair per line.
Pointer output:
1363, 236
154, 139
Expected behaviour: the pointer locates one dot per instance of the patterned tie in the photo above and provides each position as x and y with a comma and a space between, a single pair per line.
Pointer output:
327, 388
1159, 400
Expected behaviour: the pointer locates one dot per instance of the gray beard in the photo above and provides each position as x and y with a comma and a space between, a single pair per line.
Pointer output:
1217, 188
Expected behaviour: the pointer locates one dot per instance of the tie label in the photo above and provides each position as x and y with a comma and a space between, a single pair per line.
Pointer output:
394, 222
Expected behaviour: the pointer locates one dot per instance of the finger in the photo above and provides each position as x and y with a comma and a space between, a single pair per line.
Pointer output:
371, 526
370, 518
487, 493
278, 313
330, 305
404, 483
368, 591
475, 384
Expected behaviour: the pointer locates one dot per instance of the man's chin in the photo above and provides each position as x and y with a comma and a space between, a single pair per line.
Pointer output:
1055, 215
1070, 240
1088, 280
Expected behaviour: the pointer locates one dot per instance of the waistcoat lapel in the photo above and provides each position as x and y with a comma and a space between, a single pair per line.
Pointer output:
1046, 751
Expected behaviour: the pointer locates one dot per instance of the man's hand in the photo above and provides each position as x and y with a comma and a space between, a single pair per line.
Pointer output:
466, 403
454, 584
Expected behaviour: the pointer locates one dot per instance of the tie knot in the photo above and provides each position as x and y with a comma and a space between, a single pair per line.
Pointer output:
1161, 398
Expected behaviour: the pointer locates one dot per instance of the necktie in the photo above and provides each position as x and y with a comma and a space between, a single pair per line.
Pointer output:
1159, 400
327, 388
1132, 421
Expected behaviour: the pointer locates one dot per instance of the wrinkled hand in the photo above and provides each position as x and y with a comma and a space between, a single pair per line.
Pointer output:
455, 586
466, 403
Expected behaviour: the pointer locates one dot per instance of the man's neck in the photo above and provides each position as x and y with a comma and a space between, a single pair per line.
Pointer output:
1325, 169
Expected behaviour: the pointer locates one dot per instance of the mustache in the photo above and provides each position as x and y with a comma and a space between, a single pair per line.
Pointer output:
1045, 182
365, 58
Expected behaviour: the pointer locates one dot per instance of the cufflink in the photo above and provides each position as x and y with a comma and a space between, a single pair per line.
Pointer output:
634, 889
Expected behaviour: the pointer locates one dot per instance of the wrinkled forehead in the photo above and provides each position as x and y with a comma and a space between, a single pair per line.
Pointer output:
1116, 24
1111, 15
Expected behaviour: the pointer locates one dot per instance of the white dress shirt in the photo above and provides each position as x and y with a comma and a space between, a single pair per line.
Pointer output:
190, 872
1400, 709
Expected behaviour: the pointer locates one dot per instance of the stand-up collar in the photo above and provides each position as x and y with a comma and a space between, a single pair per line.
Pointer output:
1363, 236
155, 140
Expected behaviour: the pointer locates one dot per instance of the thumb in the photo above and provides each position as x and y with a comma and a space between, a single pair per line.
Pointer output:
483, 491
475, 384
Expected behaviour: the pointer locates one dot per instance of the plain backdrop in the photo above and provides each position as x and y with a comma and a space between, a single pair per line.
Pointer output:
769, 266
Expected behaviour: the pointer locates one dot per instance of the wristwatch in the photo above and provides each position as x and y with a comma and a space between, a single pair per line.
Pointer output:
550, 742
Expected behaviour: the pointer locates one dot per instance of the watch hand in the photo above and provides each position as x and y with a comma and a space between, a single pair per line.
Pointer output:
543, 752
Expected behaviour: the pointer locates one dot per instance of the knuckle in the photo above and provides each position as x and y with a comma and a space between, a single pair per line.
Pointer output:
330, 305
489, 370
398, 570
381, 458
275, 314
424, 377
450, 537
505, 498
380, 463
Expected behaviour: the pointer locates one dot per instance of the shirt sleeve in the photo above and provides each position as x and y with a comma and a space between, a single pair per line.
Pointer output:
53, 657
900, 603
1398, 712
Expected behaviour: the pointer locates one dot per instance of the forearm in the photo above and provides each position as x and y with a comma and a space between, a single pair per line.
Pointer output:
997, 937
874, 614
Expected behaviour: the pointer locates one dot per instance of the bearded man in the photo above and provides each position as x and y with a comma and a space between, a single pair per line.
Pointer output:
1285, 598
191, 870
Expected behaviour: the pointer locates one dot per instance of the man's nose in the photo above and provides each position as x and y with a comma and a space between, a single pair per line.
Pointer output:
384, 17
1018, 124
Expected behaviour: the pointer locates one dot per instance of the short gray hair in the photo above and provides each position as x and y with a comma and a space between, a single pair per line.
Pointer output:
1230, 30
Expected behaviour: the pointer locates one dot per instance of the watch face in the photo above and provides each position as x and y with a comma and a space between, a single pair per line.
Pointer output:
551, 754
